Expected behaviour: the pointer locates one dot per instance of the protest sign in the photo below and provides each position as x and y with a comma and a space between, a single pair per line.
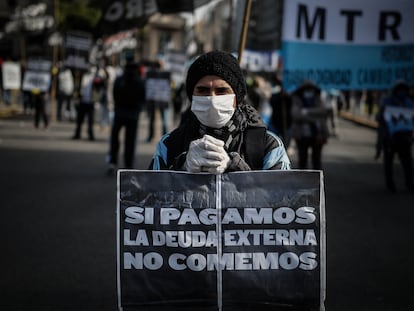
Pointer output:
11, 75
77, 48
175, 62
238, 239
125, 40
399, 119
348, 44
158, 86
38, 75
260, 61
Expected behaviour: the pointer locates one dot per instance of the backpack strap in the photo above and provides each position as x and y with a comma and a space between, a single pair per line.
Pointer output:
255, 147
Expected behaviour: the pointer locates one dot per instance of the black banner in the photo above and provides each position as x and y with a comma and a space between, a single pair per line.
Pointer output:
178, 6
232, 241
121, 15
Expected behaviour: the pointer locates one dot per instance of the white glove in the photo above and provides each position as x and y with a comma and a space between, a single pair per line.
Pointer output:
207, 155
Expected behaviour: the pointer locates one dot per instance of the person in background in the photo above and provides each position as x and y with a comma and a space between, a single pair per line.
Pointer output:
281, 117
66, 87
309, 127
129, 98
220, 132
255, 96
153, 105
394, 138
100, 92
178, 102
86, 106
39, 103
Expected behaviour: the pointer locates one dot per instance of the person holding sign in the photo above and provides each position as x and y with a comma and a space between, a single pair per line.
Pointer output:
396, 126
219, 132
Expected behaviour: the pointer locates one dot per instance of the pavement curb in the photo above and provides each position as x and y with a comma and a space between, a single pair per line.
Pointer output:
359, 120
6, 112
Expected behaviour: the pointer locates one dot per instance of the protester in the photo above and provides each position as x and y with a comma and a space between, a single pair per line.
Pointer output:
309, 128
281, 117
129, 98
39, 102
157, 102
86, 106
220, 132
66, 87
393, 138
255, 95
100, 93
179, 103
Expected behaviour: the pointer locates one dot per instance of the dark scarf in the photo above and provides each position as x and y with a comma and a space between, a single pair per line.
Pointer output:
244, 117
232, 132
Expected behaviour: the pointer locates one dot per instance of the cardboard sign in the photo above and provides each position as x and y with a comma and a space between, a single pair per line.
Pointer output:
77, 48
11, 76
399, 119
158, 86
246, 238
38, 75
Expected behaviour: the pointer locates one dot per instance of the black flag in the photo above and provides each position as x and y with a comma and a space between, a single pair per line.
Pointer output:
122, 15
168, 6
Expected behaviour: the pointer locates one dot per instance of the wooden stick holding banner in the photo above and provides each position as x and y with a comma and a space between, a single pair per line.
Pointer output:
243, 34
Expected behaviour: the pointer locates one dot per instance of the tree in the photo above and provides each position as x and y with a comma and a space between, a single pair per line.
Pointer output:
78, 15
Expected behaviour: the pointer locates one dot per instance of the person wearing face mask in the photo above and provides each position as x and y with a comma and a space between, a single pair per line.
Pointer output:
219, 132
395, 136
309, 124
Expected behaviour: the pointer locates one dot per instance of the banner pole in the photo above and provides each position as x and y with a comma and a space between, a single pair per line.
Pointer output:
243, 35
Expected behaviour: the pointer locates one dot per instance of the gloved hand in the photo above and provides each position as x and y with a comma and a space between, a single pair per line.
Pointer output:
207, 154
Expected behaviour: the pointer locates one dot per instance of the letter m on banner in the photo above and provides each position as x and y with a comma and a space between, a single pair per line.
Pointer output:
303, 21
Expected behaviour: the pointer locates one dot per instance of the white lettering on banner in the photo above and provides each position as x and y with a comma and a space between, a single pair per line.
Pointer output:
81, 42
281, 215
141, 238
184, 239
130, 9
269, 237
150, 261
236, 237
254, 61
139, 215
11, 75
153, 237
229, 261
352, 21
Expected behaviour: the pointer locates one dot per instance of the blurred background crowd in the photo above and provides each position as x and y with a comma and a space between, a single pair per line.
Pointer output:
57, 55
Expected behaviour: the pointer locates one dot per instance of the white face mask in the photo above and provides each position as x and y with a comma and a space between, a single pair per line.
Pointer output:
213, 111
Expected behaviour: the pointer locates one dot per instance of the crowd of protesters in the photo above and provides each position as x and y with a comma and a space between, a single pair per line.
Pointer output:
304, 119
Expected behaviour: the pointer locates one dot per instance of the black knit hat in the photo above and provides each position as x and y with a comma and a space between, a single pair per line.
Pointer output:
221, 64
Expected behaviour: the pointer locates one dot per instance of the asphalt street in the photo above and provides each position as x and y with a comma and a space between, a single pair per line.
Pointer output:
58, 222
